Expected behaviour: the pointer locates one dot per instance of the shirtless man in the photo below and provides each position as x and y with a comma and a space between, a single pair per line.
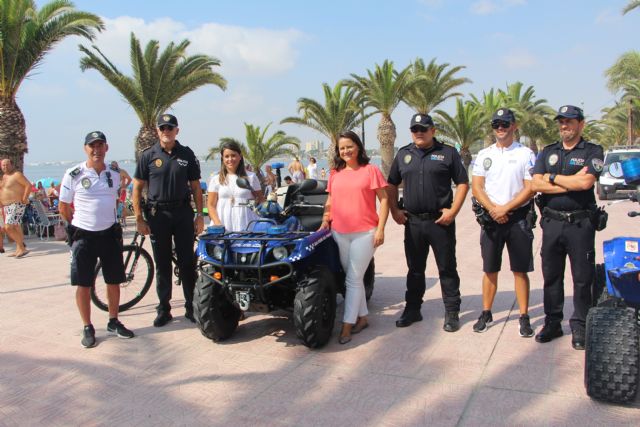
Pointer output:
14, 196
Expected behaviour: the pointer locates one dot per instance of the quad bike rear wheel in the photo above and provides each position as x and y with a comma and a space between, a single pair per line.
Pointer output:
611, 356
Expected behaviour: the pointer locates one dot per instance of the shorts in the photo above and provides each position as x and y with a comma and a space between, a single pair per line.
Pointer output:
14, 212
84, 257
519, 240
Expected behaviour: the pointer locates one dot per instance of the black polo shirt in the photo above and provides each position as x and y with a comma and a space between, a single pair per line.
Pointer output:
168, 175
427, 175
555, 159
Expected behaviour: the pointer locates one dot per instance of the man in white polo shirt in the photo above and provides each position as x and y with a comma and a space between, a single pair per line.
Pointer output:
501, 183
94, 232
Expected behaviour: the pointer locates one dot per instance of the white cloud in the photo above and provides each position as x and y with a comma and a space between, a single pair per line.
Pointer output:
518, 60
242, 50
608, 16
487, 7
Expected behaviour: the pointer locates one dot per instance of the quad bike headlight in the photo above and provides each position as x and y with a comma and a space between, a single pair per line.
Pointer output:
280, 253
218, 252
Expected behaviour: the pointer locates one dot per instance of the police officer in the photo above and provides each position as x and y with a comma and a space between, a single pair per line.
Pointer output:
565, 173
427, 167
94, 233
172, 173
501, 183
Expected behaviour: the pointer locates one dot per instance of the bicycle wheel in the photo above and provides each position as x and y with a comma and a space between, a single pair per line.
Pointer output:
139, 272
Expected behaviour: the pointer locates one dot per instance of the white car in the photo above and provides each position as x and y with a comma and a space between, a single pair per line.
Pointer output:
607, 185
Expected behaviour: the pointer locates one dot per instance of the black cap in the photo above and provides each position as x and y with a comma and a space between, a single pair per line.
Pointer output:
504, 115
422, 120
570, 112
167, 119
94, 136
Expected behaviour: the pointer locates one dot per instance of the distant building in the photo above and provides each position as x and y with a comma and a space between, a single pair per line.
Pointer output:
314, 148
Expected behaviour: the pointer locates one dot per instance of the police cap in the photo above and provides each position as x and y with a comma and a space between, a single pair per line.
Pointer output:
503, 115
167, 119
570, 112
421, 120
94, 136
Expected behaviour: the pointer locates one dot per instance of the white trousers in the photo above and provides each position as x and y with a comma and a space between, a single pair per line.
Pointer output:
356, 250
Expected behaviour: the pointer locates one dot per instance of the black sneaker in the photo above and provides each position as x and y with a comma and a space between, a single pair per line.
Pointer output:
451, 321
88, 337
550, 331
485, 319
525, 326
162, 319
117, 328
189, 316
578, 339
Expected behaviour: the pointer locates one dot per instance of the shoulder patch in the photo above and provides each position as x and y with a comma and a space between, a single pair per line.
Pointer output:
75, 172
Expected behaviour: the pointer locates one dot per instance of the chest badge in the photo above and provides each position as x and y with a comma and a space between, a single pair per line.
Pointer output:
183, 162
158, 163
553, 159
486, 164
597, 164
86, 183
407, 159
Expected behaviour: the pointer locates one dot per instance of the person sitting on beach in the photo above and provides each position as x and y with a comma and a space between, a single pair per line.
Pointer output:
225, 200
297, 170
14, 197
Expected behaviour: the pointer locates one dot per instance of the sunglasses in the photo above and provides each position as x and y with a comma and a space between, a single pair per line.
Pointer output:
417, 129
500, 124
166, 127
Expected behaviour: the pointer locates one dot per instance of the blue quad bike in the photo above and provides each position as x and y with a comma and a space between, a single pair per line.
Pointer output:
612, 330
281, 262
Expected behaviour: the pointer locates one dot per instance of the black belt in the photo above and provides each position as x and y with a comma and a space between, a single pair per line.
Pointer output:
167, 205
567, 216
426, 216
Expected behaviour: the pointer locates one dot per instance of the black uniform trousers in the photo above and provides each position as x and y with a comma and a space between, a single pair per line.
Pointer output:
419, 235
559, 239
165, 224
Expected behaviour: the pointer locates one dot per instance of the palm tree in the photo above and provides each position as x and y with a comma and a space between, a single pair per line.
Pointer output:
26, 36
534, 115
260, 149
489, 103
340, 112
625, 69
464, 129
633, 4
435, 84
382, 90
159, 80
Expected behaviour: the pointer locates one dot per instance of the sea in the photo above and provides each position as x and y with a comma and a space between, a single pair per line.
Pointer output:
53, 171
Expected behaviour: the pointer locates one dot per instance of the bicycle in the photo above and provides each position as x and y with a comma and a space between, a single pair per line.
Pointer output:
139, 271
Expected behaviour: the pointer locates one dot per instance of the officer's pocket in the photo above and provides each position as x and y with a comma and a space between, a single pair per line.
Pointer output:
524, 226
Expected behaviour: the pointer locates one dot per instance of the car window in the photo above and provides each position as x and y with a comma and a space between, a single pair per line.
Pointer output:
621, 157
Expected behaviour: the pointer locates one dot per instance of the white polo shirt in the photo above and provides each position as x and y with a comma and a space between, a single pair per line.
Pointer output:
94, 200
504, 170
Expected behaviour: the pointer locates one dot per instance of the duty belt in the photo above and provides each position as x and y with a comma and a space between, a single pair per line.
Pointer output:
426, 216
567, 216
165, 206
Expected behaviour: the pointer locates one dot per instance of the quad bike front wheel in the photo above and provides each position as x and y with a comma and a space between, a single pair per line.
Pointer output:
216, 316
611, 354
314, 307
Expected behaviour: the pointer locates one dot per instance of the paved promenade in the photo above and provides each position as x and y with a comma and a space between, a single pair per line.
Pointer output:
263, 376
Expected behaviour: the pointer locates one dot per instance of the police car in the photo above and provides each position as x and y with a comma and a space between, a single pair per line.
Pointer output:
607, 185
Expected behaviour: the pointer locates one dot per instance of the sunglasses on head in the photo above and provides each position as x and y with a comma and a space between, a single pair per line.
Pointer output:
416, 129
165, 127
500, 124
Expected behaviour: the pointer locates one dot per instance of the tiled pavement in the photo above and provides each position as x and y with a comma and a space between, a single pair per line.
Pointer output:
386, 376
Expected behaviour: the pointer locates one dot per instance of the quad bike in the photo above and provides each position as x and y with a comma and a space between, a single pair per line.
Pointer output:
275, 264
612, 330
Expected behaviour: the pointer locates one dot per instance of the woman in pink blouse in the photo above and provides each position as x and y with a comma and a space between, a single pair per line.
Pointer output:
350, 212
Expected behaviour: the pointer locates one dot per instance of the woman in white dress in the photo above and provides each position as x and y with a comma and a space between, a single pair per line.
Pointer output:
226, 201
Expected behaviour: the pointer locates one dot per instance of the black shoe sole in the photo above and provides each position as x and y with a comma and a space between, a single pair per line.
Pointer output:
482, 331
547, 339
90, 345
118, 335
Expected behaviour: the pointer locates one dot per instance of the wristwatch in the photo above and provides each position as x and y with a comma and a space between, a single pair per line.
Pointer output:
552, 178
198, 214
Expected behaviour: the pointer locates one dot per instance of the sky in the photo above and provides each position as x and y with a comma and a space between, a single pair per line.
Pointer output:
275, 52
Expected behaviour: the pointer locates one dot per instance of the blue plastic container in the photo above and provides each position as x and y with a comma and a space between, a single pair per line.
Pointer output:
631, 171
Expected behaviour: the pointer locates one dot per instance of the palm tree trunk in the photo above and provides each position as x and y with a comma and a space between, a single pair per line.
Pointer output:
387, 138
13, 135
331, 151
147, 136
466, 156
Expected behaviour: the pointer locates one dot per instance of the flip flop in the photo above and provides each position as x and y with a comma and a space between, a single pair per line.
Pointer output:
22, 254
